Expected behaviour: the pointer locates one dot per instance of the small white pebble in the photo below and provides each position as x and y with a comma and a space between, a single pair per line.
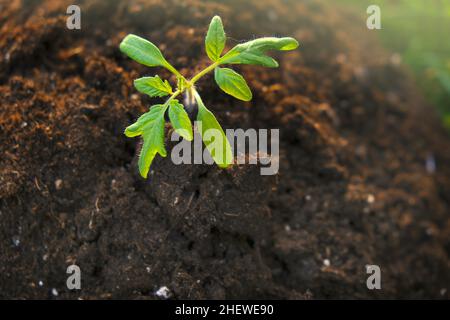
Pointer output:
396, 59
326, 263
272, 15
148, 269
54, 292
430, 164
341, 58
360, 72
23, 124
163, 292
16, 241
175, 202
40, 283
287, 228
370, 198
45, 257
443, 291
307, 197
58, 184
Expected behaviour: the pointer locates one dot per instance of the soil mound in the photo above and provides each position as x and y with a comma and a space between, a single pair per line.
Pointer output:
364, 166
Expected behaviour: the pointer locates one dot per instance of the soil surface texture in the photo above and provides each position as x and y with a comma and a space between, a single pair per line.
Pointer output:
364, 163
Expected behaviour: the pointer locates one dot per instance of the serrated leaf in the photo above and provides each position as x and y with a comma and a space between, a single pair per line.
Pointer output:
254, 52
215, 39
180, 120
153, 143
232, 83
220, 150
153, 86
151, 126
142, 51
137, 128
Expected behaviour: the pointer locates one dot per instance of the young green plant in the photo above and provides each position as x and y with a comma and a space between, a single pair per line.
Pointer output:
151, 124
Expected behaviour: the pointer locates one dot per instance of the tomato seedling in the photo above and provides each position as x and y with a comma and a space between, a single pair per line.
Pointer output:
151, 124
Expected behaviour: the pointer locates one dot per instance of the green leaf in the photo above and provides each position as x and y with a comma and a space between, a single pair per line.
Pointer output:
137, 128
151, 126
254, 52
142, 51
219, 147
215, 39
180, 120
232, 83
153, 86
153, 143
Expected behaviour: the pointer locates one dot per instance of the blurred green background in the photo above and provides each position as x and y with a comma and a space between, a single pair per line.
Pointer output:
418, 30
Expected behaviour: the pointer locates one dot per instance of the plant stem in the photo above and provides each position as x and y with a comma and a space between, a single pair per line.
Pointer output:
197, 97
173, 96
202, 73
189, 83
174, 71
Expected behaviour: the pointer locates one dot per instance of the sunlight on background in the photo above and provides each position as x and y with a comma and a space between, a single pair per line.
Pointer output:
419, 30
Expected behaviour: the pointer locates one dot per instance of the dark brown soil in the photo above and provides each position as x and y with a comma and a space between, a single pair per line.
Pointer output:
353, 186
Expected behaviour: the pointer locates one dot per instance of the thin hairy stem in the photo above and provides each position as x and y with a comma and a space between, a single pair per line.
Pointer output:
202, 73
174, 71
173, 96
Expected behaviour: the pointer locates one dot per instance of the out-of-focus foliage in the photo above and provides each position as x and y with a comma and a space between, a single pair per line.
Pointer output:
418, 30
